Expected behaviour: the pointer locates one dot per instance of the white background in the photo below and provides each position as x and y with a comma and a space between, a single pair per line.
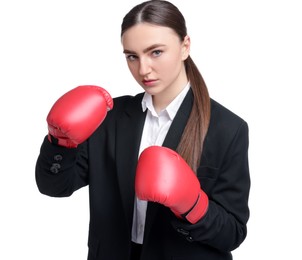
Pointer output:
249, 53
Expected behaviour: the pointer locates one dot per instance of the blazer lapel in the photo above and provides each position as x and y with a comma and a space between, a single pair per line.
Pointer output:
171, 141
178, 125
129, 132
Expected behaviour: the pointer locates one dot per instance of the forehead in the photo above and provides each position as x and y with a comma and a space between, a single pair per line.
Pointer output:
143, 35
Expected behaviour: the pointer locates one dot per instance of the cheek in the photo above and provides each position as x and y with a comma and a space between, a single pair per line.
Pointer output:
171, 63
132, 68
134, 72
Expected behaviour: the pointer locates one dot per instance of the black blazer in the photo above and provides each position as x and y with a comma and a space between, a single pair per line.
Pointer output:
107, 162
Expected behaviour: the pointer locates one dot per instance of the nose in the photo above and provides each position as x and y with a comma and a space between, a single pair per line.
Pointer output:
144, 67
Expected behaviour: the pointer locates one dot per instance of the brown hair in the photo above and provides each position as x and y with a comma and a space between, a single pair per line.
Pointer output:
164, 13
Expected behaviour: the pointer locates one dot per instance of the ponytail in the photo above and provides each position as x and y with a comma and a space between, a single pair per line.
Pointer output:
192, 140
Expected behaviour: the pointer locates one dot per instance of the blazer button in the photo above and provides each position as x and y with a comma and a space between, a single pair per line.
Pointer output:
55, 168
58, 157
189, 238
183, 231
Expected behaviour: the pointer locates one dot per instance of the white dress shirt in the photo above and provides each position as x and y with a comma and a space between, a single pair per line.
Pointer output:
155, 130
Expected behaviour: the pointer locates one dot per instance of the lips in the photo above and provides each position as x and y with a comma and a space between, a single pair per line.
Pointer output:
149, 82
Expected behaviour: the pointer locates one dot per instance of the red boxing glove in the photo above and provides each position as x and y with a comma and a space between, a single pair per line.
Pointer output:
77, 114
163, 176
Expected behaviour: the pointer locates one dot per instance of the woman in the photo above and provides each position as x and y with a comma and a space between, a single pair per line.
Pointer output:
167, 169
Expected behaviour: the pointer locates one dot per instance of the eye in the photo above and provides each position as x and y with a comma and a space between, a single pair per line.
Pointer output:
157, 53
131, 57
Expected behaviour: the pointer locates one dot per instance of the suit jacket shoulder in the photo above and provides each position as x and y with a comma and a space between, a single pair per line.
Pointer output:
225, 116
224, 130
127, 102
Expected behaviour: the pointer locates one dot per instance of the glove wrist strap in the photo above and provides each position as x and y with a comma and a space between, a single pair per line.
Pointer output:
199, 209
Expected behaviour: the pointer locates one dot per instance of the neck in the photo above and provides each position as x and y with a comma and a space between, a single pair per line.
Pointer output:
160, 102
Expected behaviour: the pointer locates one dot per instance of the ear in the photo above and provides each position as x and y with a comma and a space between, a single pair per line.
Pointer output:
186, 44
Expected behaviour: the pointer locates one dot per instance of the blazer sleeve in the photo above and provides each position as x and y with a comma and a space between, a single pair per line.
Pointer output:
60, 171
227, 185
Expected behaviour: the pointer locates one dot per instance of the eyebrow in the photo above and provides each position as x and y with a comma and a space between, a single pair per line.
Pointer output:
154, 46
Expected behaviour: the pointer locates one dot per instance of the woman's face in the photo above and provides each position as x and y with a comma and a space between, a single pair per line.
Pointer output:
155, 57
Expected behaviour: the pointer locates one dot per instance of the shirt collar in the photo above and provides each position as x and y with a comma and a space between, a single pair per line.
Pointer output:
171, 109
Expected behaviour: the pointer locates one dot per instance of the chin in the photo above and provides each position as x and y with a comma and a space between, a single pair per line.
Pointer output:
151, 91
